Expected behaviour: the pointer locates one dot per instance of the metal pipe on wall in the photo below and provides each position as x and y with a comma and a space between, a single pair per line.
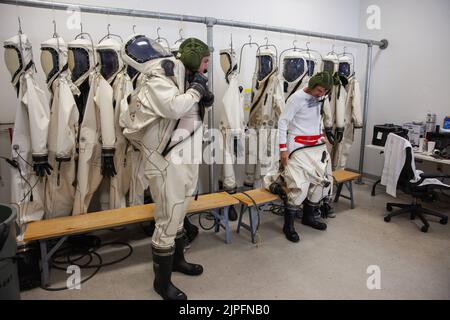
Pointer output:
210, 42
210, 22
365, 112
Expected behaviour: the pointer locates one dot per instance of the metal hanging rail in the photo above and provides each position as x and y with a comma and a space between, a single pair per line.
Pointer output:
210, 22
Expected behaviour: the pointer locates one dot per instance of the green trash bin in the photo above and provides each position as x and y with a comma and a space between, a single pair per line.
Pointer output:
9, 279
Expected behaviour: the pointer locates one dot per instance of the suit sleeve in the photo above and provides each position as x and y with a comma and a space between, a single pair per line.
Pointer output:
327, 114
38, 116
356, 106
340, 108
278, 97
67, 123
104, 101
167, 101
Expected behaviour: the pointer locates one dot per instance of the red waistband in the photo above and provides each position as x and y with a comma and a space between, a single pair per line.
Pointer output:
308, 140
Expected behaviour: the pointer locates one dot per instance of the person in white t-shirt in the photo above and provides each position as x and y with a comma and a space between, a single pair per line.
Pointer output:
306, 166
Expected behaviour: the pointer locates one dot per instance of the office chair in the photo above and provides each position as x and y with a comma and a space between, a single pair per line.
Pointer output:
426, 192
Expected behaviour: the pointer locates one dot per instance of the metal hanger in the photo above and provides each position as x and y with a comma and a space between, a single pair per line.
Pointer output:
267, 46
134, 27
332, 52
109, 34
293, 48
159, 39
180, 33
249, 43
309, 50
348, 54
20, 26
55, 34
81, 36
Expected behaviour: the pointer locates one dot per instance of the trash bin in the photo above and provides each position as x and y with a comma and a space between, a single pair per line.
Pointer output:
9, 279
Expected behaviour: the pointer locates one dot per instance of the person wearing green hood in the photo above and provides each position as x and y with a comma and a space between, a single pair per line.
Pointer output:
306, 176
163, 118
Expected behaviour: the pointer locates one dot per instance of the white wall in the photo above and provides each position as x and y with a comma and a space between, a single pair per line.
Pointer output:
322, 15
412, 76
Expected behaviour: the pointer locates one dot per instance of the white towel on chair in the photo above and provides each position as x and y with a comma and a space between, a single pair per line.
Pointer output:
394, 160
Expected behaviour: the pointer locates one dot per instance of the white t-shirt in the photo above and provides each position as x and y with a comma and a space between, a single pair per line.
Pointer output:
301, 117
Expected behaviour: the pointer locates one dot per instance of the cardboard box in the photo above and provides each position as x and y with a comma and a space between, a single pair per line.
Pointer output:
415, 132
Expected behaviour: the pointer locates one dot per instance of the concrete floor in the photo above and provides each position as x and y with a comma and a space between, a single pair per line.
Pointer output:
324, 265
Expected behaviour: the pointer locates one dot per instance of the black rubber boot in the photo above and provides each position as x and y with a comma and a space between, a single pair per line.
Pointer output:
162, 266
191, 230
288, 228
180, 264
327, 210
232, 214
311, 214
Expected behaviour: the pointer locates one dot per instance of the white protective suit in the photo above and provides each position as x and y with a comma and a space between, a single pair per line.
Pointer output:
114, 71
63, 129
352, 112
97, 136
232, 121
308, 173
29, 141
295, 73
334, 106
266, 107
162, 119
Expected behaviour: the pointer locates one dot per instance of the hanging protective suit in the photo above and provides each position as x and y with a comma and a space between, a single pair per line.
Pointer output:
307, 176
113, 71
295, 73
352, 112
29, 142
63, 129
97, 134
334, 106
163, 119
232, 121
266, 107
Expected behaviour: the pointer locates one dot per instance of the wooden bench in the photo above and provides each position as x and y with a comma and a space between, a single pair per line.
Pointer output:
344, 177
45, 230
248, 199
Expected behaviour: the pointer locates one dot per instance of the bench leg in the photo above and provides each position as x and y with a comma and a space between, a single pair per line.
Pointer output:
253, 226
216, 219
227, 225
44, 262
338, 192
350, 190
241, 214
45, 259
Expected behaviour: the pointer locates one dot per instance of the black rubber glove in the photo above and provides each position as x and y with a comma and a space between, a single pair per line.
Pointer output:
207, 100
41, 166
330, 136
108, 168
199, 83
339, 134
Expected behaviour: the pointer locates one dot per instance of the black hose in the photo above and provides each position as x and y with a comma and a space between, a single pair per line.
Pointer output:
200, 221
87, 246
257, 208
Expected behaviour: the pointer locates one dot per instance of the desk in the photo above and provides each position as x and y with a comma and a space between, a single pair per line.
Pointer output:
417, 156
